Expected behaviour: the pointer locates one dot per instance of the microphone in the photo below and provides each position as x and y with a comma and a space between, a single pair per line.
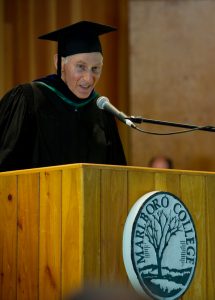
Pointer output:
104, 103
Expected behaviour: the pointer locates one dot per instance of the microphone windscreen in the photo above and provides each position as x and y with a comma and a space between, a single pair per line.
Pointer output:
101, 101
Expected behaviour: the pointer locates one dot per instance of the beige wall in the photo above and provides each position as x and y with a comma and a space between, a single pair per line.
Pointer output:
172, 71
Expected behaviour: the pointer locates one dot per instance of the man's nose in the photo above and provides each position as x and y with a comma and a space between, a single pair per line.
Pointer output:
88, 76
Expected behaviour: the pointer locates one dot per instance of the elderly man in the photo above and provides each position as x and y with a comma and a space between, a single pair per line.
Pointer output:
55, 119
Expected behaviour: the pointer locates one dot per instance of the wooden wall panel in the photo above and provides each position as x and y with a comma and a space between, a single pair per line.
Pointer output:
172, 78
2, 52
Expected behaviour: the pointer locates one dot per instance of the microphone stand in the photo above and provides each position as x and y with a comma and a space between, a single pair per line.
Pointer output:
140, 119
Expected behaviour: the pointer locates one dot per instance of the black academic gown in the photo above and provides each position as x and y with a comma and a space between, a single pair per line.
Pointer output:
46, 126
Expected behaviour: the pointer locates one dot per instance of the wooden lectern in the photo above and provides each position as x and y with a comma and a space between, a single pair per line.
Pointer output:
61, 227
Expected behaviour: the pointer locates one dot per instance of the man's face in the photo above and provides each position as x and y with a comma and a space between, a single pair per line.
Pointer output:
81, 72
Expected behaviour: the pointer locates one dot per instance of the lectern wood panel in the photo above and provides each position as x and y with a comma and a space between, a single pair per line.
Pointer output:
210, 236
8, 236
72, 228
50, 237
113, 215
27, 243
61, 227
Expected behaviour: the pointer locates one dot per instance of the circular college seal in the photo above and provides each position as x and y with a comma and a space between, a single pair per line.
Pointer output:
160, 246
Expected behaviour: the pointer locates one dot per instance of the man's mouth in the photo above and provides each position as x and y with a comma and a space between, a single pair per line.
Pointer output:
85, 86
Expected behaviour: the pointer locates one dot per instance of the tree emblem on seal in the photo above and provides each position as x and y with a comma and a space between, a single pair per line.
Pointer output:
160, 246
160, 228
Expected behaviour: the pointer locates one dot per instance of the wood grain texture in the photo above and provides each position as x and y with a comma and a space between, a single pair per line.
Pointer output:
28, 237
193, 194
65, 224
72, 229
139, 183
50, 237
113, 214
169, 182
210, 234
8, 237
92, 226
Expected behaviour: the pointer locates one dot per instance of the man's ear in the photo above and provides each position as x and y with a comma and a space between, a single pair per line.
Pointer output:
55, 60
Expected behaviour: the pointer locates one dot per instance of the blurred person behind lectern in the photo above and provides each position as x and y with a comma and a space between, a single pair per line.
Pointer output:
55, 120
161, 162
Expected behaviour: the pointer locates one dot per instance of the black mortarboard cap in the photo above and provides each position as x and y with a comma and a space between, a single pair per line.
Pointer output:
81, 37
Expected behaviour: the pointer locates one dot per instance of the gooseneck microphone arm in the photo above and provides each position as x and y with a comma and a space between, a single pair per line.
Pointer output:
139, 120
104, 103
